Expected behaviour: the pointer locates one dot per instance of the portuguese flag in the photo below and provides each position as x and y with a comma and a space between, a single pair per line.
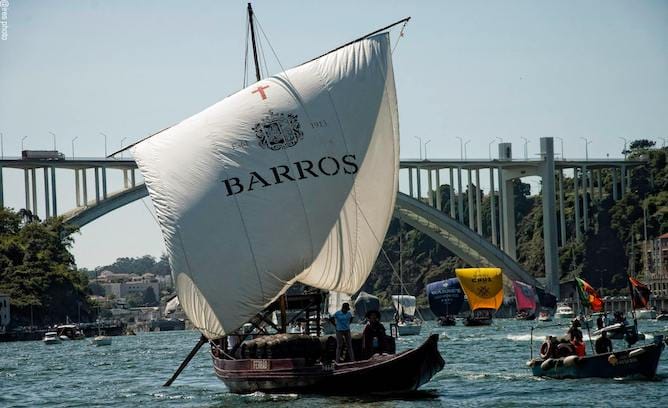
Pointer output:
639, 293
588, 295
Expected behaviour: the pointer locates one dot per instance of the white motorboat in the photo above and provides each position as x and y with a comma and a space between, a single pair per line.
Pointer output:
544, 316
564, 312
645, 314
411, 328
101, 341
51, 338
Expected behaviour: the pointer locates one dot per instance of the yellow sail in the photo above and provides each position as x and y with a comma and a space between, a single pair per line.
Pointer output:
483, 287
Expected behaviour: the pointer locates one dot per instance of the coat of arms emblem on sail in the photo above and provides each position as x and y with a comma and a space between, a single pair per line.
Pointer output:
278, 131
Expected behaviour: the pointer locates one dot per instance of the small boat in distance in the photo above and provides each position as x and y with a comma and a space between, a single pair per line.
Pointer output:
445, 300
646, 314
484, 290
51, 338
70, 332
406, 323
101, 341
525, 299
544, 316
564, 312
364, 303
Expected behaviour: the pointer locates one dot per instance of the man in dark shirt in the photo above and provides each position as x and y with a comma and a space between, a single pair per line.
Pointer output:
374, 335
603, 344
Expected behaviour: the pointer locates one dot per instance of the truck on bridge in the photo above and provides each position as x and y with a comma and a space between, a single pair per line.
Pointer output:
42, 155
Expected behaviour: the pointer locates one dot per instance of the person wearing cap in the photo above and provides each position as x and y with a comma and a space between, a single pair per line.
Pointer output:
373, 337
342, 319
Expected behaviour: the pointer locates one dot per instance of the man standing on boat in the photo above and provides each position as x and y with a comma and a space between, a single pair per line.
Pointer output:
342, 319
603, 344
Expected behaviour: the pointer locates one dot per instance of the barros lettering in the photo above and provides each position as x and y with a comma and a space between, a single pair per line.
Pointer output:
303, 169
481, 279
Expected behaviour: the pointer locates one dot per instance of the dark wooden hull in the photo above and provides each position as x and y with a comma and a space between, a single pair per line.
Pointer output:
525, 317
442, 321
477, 322
630, 362
381, 374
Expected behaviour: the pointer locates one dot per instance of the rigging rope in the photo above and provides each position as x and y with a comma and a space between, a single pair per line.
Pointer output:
401, 34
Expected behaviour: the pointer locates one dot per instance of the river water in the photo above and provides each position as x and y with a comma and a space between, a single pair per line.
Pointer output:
485, 367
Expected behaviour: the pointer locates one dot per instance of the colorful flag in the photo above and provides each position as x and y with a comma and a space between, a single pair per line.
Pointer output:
589, 296
639, 293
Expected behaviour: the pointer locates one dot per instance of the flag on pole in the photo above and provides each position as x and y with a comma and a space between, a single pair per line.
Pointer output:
639, 293
589, 296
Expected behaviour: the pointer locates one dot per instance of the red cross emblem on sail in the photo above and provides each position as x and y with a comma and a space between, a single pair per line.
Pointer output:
260, 90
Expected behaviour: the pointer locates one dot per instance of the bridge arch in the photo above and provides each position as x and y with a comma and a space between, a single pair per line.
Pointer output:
460, 240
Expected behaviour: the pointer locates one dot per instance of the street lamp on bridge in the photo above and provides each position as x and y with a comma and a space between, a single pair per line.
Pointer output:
73, 140
461, 147
526, 147
587, 143
122, 140
624, 151
417, 137
105, 144
54, 141
489, 145
22, 139
466, 144
425, 148
562, 147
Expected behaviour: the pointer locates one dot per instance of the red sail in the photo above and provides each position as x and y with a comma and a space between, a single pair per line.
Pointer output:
639, 293
525, 296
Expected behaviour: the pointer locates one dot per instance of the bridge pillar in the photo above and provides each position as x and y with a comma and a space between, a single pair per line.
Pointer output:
132, 178
623, 181
97, 185
576, 203
614, 183
502, 229
452, 194
562, 215
430, 191
47, 205
77, 189
2, 192
125, 179
33, 176
54, 205
509, 219
628, 181
438, 190
591, 185
478, 200
410, 181
552, 271
84, 184
470, 200
599, 185
417, 173
26, 179
585, 200
460, 196
492, 212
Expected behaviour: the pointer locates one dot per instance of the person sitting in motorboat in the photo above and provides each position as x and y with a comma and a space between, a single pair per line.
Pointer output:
575, 337
603, 344
373, 337
599, 322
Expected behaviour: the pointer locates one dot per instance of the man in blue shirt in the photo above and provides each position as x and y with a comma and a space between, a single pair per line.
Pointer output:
342, 319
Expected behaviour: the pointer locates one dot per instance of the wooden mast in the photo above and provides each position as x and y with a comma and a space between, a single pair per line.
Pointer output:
252, 30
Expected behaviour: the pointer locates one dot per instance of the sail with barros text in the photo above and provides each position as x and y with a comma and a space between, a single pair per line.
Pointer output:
290, 180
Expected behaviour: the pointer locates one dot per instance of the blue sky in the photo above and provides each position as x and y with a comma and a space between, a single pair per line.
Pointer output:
473, 69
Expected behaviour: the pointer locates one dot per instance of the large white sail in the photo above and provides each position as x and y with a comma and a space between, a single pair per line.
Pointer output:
290, 180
